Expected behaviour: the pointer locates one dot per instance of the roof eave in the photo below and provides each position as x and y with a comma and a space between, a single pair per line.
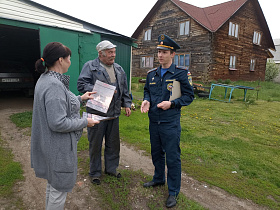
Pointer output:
209, 29
148, 16
266, 31
86, 25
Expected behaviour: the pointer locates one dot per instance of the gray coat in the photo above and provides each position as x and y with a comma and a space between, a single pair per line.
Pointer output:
92, 71
53, 140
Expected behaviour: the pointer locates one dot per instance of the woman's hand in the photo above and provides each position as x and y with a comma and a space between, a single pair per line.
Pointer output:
87, 95
92, 122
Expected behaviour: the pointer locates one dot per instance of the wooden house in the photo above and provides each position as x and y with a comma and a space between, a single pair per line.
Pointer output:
26, 27
276, 57
230, 40
276, 54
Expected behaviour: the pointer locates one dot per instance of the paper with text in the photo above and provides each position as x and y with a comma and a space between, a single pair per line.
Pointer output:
102, 97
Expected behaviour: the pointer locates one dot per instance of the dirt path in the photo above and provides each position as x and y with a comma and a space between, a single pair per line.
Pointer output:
32, 190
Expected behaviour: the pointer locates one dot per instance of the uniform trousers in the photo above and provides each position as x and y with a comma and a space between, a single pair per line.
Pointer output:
55, 199
110, 130
165, 147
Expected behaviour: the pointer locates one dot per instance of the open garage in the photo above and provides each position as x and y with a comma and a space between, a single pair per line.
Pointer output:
20, 49
27, 27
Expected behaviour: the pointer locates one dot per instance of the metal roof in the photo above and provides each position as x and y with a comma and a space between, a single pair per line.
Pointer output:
32, 12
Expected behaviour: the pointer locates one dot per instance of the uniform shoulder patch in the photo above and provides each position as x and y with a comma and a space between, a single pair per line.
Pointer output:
151, 70
182, 67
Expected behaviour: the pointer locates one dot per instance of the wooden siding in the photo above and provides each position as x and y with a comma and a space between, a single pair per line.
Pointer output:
18, 10
166, 21
209, 51
243, 48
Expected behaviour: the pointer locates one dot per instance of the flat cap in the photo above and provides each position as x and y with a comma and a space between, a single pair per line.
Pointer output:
166, 43
105, 45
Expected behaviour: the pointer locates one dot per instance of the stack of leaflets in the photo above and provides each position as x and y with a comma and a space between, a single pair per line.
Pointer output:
102, 97
96, 117
101, 101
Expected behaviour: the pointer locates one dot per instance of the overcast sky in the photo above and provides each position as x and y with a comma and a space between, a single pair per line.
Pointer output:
124, 16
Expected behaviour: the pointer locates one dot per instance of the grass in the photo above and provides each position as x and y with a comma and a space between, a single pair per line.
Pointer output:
234, 146
22, 120
267, 91
10, 172
219, 139
128, 192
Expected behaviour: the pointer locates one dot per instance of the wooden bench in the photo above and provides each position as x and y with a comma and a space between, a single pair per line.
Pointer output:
201, 91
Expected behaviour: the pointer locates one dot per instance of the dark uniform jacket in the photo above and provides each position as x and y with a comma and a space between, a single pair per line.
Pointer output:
158, 89
92, 71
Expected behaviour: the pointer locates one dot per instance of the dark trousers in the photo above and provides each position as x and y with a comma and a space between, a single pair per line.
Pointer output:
110, 130
165, 146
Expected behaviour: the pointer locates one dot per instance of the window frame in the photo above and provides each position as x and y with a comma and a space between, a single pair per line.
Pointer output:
185, 27
253, 64
149, 35
257, 37
233, 30
144, 61
179, 58
232, 60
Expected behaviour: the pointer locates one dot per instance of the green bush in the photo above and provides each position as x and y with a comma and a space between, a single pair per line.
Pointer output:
271, 71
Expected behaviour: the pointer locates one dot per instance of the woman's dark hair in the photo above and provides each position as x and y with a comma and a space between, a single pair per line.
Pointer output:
52, 52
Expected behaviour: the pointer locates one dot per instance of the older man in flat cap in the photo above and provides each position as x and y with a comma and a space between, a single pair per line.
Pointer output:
106, 70
164, 113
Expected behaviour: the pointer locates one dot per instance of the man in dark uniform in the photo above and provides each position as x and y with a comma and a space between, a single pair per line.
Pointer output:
164, 115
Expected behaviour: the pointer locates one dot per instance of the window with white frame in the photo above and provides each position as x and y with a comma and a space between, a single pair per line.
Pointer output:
257, 38
184, 28
148, 35
182, 60
233, 29
253, 64
147, 62
232, 62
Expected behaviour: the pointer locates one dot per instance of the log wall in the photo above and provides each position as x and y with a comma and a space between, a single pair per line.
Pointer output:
209, 52
243, 47
166, 21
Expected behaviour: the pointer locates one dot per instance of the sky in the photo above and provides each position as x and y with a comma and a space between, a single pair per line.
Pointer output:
124, 16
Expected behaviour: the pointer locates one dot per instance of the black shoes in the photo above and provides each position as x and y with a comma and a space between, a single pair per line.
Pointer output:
171, 201
153, 184
96, 181
117, 175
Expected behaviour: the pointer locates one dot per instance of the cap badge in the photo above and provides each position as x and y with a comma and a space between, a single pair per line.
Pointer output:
162, 37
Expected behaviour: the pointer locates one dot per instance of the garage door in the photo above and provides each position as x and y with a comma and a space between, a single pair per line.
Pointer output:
70, 40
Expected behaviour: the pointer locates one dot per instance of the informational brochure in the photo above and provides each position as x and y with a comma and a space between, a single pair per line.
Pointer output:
102, 97
96, 117
176, 91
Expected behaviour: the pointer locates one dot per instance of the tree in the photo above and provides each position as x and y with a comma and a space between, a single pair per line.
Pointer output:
272, 71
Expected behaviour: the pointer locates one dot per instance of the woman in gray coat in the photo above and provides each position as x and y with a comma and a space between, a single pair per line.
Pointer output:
56, 125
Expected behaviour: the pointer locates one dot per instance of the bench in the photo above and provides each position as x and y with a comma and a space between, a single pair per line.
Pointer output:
232, 87
200, 90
